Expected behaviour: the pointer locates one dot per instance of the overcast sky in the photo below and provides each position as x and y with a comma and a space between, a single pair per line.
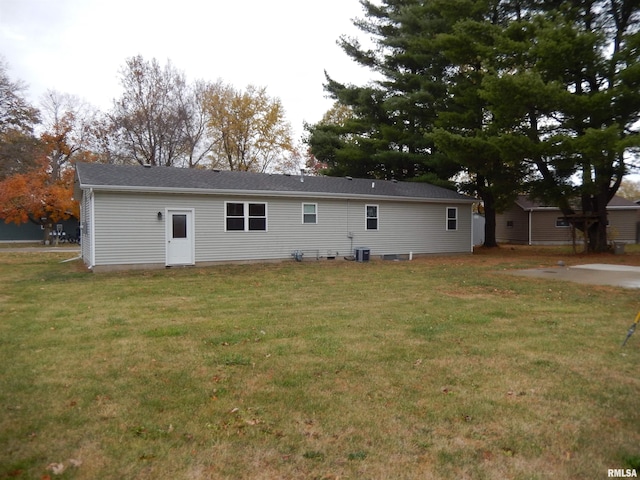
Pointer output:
79, 46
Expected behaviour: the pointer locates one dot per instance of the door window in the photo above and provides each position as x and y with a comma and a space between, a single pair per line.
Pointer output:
179, 225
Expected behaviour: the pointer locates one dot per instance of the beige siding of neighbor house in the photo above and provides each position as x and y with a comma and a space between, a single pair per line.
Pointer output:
622, 226
417, 227
513, 226
545, 231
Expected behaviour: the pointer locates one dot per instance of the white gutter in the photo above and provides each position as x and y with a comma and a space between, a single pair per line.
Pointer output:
270, 193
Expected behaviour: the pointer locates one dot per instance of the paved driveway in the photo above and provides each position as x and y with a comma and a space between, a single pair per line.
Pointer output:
592, 273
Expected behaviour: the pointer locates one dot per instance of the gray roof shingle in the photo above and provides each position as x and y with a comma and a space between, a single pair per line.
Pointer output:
183, 180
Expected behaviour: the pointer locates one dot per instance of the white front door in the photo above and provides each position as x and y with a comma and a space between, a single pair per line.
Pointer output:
180, 237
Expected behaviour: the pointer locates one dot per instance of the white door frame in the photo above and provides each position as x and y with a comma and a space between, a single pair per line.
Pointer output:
185, 255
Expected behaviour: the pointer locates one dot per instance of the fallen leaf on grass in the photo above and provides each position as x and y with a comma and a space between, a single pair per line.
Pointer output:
487, 455
56, 468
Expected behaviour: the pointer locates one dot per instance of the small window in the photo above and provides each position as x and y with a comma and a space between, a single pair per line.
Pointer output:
235, 216
372, 217
562, 222
309, 213
257, 216
452, 218
510, 223
244, 216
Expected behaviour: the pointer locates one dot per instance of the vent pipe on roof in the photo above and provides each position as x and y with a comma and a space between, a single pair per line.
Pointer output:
349, 178
302, 174
373, 184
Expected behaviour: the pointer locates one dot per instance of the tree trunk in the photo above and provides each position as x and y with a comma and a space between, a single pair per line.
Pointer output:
489, 221
47, 234
597, 232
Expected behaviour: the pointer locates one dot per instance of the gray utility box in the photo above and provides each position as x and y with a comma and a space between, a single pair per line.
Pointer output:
362, 254
618, 248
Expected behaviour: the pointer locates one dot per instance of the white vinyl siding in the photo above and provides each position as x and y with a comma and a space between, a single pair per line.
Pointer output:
86, 228
127, 229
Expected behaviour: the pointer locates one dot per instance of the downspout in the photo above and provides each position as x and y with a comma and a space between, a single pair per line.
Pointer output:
92, 229
349, 233
472, 228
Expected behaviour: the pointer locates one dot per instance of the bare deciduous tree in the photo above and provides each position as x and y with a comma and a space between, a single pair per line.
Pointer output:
148, 115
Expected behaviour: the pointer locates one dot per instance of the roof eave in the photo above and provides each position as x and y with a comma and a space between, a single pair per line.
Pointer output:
268, 193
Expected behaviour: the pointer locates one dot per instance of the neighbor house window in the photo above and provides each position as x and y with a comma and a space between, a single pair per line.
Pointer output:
509, 223
309, 213
452, 218
245, 216
562, 222
372, 217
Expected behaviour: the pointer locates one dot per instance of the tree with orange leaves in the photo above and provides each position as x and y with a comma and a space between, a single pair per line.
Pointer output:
43, 194
37, 197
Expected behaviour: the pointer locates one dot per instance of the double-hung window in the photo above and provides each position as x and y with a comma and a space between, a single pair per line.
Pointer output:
452, 218
245, 216
309, 213
372, 217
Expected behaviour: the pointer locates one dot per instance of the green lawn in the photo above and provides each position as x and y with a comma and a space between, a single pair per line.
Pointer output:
443, 367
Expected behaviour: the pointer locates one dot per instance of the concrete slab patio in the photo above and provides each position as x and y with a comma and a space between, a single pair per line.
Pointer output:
594, 274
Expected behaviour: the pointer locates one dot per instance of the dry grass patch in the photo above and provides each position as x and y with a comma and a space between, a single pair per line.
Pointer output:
435, 368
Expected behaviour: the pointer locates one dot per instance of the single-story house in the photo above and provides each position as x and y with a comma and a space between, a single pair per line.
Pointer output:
145, 217
532, 222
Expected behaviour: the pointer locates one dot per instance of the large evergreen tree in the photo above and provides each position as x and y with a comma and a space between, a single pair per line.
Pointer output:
565, 91
386, 138
502, 90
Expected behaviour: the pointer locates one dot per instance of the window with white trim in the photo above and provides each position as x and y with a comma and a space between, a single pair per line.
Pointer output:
562, 222
452, 218
372, 217
310, 213
245, 216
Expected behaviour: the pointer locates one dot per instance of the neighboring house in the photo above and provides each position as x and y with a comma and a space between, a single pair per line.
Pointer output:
30, 232
138, 216
533, 223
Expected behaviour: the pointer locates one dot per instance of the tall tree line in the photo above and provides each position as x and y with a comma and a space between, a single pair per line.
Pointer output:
160, 119
513, 96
